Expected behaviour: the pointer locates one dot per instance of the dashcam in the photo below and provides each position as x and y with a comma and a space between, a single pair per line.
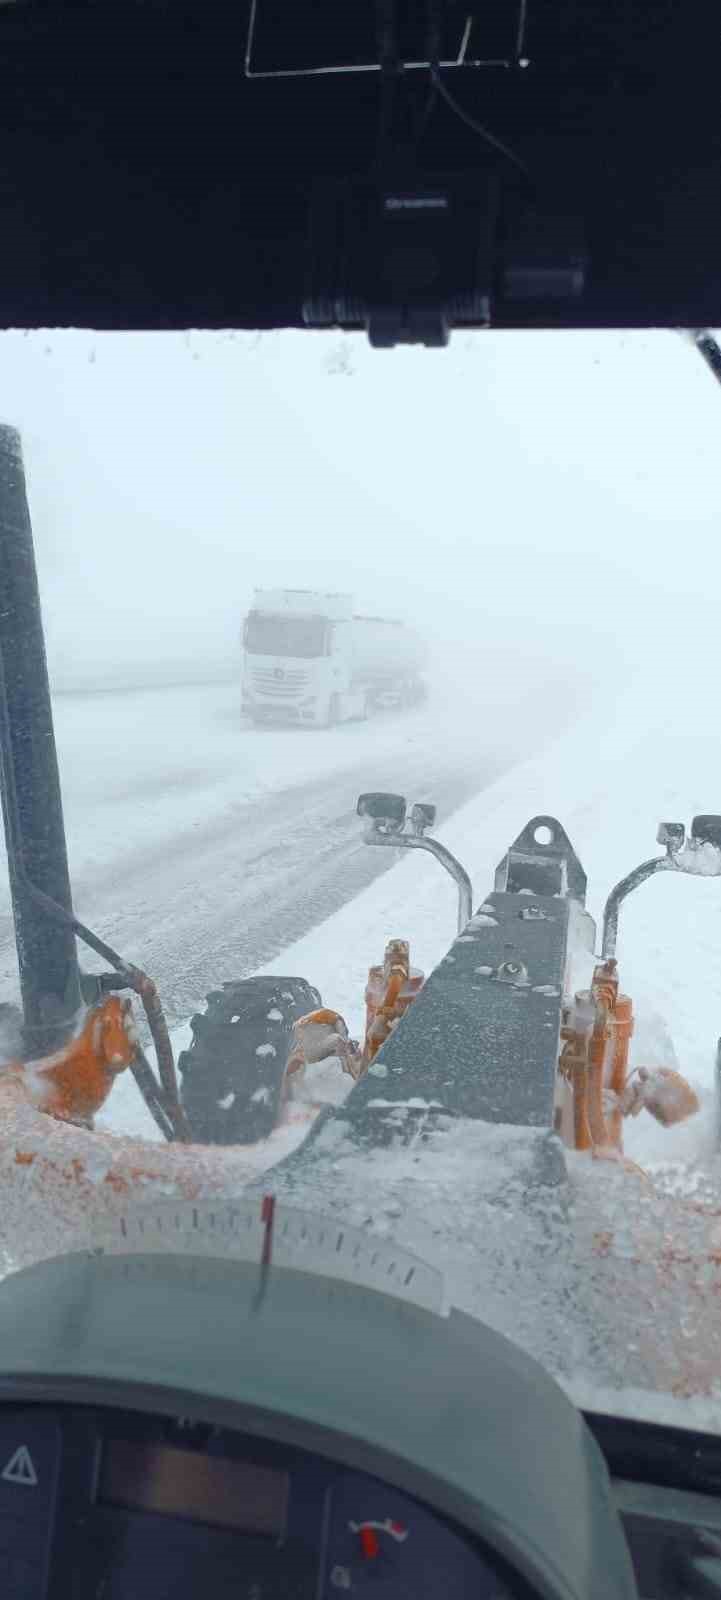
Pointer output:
406, 262
410, 262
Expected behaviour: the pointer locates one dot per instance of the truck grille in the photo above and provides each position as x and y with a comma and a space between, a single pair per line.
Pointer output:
285, 682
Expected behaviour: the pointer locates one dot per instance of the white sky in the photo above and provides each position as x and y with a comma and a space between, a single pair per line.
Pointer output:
560, 491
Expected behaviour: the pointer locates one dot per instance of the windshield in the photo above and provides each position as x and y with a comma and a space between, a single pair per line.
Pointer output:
285, 636
538, 516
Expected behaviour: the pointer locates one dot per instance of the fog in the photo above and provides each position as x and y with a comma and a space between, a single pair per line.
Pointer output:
536, 503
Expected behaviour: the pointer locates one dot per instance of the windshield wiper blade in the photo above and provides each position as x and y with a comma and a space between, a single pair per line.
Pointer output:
708, 346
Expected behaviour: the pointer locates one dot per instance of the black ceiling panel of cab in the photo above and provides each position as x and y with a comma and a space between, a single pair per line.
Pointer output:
148, 182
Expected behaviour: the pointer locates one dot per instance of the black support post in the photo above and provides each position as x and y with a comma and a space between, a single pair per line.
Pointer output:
31, 799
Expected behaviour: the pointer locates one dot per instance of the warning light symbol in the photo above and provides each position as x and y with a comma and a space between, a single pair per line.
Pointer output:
20, 1468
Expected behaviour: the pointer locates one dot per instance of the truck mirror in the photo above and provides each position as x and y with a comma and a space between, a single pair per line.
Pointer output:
388, 808
672, 835
422, 816
707, 829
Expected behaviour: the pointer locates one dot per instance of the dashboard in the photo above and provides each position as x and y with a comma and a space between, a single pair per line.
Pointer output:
120, 1506
176, 1424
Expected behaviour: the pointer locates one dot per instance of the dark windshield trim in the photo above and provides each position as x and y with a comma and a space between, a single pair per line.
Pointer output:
651, 1452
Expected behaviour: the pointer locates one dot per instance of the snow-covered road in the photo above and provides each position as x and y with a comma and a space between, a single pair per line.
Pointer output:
200, 847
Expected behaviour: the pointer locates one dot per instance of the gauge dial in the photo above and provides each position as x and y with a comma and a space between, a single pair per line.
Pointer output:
383, 1542
307, 1241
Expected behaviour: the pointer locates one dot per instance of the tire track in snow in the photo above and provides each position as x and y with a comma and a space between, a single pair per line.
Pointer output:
220, 900
228, 912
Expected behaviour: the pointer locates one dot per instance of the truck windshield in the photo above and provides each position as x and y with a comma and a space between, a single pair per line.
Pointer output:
285, 636
485, 581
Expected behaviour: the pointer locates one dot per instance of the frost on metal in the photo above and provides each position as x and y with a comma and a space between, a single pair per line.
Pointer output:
415, 1103
602, 1277
11, 450
698, 857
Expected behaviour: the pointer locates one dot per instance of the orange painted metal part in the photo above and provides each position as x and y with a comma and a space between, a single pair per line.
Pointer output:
75, 1082
391, 989
621, 1033
319, 1035
663, 1092
596, 1035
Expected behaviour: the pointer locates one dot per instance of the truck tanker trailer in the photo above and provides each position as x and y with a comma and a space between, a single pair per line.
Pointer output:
309, 658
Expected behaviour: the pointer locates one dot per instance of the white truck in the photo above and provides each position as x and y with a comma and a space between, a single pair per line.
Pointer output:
308, 658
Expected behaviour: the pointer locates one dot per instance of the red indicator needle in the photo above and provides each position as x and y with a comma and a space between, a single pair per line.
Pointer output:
369, 1543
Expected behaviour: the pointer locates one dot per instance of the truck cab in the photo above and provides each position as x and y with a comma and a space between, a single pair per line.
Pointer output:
298, 658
